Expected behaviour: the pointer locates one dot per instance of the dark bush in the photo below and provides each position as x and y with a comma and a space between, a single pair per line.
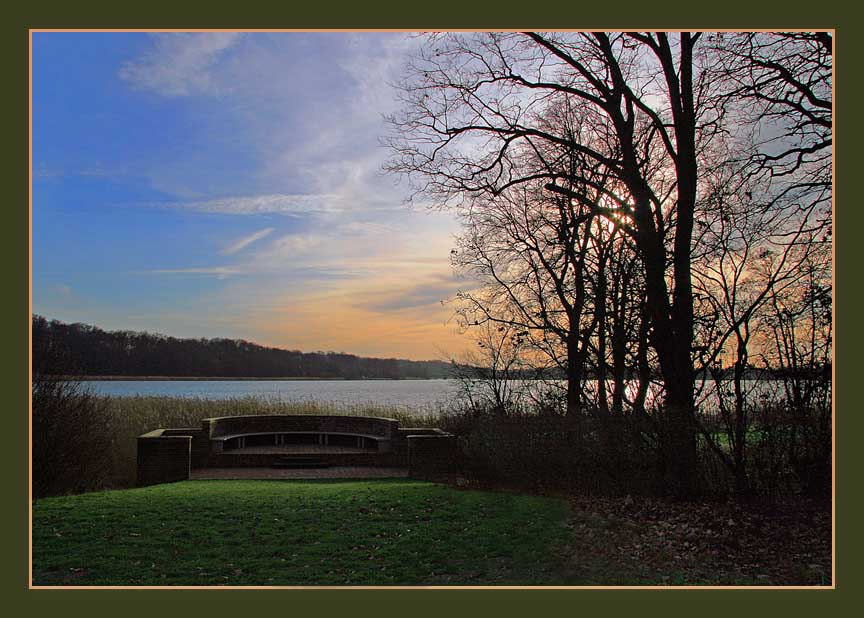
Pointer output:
72, 451
788, 452
542, 449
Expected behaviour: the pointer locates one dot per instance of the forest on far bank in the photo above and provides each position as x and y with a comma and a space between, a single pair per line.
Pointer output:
85, 350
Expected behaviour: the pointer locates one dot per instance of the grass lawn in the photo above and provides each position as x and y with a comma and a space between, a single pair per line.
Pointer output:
404, 532
297, 533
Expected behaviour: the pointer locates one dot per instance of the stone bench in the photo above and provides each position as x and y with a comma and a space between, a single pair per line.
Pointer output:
380, 432
322, 438
166, 455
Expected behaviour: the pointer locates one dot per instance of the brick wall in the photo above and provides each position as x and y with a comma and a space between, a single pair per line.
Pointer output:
200, 444
432, 453
400, 440
163, 458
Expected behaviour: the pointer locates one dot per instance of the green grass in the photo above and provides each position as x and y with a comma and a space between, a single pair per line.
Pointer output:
296, 533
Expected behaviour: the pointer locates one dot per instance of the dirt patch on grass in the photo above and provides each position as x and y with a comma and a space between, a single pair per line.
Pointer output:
627, 541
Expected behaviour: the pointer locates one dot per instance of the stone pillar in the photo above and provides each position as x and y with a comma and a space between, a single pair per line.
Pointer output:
163, 459
432, 454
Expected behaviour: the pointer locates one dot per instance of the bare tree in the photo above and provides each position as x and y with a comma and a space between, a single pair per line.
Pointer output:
473, 103
766, 222
537, 254
778, 85
650, 118
493, 376
754, 245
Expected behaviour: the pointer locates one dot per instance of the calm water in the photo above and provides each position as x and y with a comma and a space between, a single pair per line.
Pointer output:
415, 394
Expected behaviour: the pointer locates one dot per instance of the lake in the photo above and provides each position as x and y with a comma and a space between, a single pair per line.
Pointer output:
414, 394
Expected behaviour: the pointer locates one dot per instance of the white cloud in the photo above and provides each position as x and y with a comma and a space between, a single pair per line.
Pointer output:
180, 64
264, 204
289, 247
220, 272
306, 108
242, 243
431, 291
289, 253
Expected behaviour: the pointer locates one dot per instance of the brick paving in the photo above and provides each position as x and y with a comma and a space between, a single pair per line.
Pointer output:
335, 472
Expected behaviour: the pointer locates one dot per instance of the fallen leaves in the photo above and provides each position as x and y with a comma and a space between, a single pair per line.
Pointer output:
644, 541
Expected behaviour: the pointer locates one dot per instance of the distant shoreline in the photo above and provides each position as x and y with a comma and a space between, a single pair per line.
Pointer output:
230, 379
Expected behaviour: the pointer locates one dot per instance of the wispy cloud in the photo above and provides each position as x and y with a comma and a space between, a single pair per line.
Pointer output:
286, 253
270, 149
279, 204
220, 272
242, 243
435, 290
180, 64
292, 244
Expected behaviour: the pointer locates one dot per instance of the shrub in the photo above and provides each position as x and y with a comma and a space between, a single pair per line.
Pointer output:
788, 451
72, 451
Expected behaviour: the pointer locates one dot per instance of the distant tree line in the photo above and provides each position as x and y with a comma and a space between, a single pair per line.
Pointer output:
90, 351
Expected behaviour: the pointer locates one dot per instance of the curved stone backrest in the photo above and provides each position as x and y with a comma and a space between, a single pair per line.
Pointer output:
363, 425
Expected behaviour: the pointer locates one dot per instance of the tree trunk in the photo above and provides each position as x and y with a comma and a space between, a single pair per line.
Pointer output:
602, 325
740, 432
574, 376
681, 438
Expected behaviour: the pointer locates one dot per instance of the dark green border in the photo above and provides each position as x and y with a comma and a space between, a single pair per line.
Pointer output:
438, 15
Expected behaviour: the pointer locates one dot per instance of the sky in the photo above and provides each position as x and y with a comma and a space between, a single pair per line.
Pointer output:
230, 185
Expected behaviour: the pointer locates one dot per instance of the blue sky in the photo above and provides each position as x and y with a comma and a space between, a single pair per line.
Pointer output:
227, 184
